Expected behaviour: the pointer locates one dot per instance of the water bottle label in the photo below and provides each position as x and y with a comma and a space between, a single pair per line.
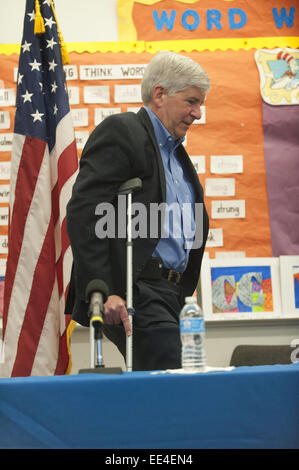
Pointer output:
192, 325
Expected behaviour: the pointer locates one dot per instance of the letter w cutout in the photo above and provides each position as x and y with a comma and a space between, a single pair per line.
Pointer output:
283, 17
164, 19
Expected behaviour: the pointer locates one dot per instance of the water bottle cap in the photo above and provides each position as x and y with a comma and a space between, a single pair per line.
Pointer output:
190, 300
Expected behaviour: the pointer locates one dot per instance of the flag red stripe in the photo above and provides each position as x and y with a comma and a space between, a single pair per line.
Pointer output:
30, 163
55, 204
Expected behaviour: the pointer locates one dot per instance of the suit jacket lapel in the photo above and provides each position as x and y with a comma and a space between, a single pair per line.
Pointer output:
144, 117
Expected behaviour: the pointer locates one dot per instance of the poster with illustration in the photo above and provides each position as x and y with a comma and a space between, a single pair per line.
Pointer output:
279, 75
241, 289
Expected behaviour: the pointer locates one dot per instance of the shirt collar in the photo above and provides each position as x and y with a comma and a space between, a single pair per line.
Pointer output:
164, 138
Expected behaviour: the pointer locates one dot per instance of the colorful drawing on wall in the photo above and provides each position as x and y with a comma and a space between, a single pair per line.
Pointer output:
240, 289
279, 75
289, 280
296, 285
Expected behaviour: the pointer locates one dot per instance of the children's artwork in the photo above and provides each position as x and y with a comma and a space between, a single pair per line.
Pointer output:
241, 289
279, 75
289, 280
296, 285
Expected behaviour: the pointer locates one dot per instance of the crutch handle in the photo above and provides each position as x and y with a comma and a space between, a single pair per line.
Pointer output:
130, 186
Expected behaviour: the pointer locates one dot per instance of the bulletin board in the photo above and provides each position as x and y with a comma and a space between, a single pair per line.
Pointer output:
228, 145
250, 49
232, 117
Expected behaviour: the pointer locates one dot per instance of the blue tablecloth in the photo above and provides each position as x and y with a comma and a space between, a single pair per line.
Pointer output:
246, 408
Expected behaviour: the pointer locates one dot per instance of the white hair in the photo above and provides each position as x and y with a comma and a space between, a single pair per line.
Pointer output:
174, 72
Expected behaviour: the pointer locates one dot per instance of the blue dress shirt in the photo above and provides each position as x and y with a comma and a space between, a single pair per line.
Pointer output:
174, 246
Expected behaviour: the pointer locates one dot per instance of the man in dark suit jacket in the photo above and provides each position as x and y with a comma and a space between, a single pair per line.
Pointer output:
166, 266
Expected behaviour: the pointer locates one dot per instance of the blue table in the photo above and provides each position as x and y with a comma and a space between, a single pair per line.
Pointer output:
246, 408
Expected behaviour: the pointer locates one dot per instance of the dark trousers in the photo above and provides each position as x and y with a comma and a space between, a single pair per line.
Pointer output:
156, 333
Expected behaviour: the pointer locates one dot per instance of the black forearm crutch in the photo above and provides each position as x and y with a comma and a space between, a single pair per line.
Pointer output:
127, 189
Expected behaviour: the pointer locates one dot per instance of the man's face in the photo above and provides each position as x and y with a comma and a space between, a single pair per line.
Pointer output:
177, 112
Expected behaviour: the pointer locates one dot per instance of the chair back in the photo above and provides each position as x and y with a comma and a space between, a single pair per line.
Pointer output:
258, 355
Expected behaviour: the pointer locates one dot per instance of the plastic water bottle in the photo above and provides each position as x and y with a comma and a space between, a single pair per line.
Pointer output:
192, 335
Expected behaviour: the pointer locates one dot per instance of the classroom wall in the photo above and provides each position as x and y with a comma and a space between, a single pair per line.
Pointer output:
79, 20
96, 20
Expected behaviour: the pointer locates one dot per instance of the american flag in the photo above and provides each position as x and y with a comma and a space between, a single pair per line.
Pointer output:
44, 163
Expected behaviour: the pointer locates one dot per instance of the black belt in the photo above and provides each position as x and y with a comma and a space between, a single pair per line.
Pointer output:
154, 269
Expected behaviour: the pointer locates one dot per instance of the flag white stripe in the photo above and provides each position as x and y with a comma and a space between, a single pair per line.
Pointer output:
64, 137
65, 195
17, 150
